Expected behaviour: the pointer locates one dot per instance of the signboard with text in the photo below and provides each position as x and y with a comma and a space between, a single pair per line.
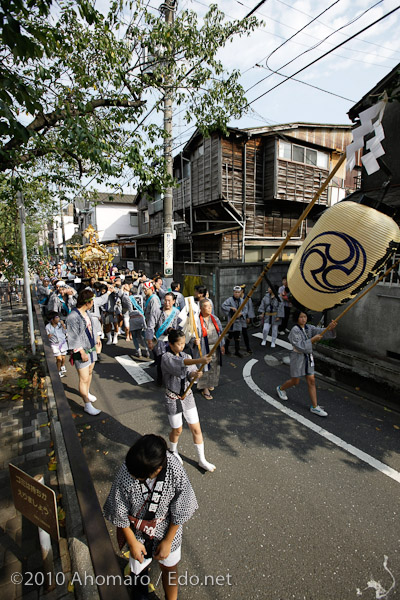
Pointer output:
168, 254
35, 501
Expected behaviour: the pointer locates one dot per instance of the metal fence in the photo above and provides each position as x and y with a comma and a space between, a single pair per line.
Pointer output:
11, 294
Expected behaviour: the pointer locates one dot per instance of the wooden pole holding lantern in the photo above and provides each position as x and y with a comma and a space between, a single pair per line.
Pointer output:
271, 262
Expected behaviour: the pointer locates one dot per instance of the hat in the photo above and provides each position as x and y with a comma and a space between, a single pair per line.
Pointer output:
60, 283
148, 285
46, 279
237, 288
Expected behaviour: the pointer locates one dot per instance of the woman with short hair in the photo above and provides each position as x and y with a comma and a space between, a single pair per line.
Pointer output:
84, 333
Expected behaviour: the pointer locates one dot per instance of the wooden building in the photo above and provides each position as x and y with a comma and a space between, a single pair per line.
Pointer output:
239, 194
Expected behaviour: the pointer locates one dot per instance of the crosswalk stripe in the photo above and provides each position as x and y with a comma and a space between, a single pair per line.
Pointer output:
134, 369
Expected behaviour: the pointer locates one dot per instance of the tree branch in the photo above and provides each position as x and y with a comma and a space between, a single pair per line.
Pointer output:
53, 118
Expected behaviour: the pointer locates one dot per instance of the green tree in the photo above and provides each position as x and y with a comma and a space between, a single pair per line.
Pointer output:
39, 209
75, 102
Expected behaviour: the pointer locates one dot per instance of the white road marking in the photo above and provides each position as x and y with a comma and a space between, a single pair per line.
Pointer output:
380, 591
134, 369
278, 342
370, 460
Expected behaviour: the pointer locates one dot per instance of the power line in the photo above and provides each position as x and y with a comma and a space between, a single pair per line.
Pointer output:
327, 37
316, 87
323, 55
308, 50
329, 27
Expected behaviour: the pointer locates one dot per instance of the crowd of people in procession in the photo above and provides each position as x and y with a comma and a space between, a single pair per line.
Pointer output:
151, 497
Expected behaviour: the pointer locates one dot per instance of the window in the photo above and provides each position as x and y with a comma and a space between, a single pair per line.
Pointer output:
311, 157
285, 150
300, 154
134, 220
145, 216
322, 160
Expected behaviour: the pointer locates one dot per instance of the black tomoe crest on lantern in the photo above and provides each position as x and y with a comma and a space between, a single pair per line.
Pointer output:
324, 245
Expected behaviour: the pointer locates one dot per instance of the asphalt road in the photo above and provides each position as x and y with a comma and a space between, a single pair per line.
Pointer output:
299, 507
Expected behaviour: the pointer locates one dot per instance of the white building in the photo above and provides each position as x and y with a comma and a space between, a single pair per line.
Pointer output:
115, 218
69, 228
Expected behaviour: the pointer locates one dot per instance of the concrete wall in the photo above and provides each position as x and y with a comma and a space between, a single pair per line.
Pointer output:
220, 278
372, 325
113, 220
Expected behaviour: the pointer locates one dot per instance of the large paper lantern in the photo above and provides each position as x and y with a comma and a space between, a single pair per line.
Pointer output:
345, 249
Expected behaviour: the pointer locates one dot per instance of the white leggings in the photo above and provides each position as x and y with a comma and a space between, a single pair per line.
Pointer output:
274, 331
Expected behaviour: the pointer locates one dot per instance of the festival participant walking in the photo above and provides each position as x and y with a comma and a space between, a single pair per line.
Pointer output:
178, 368
100, 302
152, 308
62, 300
168, 319
126, 306
109, 311
200, 292
159, 288
84, 339
272, 311
149, 502
137, 324
230, 306
43, 291
56, 333
248, 313
209, 329
284, 295
302, 337
179, 298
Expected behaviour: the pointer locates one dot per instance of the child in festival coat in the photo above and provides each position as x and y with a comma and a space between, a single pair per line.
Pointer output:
150, 500
178, 369
56, 333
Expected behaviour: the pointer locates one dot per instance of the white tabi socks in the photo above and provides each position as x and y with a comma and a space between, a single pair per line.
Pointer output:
115, 340
91, 410
173, 448
203, 463
109, 339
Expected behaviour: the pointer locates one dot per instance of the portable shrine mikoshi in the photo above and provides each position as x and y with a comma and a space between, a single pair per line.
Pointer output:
94, 257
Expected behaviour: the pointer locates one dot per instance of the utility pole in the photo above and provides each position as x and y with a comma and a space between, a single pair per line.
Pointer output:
63, 230
168, 9
21, 210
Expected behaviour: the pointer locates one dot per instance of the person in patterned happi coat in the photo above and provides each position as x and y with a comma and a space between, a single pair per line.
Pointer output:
150, 500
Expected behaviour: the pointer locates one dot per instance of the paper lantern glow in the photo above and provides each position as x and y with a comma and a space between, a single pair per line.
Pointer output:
345, 250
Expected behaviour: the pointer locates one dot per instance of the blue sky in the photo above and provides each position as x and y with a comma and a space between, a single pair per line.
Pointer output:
349, 72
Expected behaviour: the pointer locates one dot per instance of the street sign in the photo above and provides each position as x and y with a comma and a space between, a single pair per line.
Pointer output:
35, 501
129, 265
168, 254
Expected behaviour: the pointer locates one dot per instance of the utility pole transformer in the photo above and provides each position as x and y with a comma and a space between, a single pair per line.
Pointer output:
168, 9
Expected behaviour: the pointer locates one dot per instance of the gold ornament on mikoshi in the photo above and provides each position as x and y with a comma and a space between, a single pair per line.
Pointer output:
347, 247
